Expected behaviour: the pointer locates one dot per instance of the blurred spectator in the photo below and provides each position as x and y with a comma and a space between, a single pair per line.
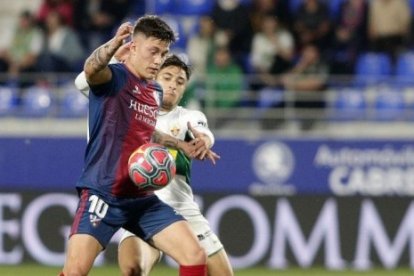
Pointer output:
261, 8
307, 79
233, 28
312, 24
95, 19
24, 48
63, 7
62, 51
389, 25
224, 80
272, 46
201, 46
350, 36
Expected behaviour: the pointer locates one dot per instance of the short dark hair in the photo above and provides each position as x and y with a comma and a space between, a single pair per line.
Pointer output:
152, 25
174, 60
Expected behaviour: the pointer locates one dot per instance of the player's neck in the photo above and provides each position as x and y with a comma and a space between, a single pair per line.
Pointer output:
167, 109
134, 72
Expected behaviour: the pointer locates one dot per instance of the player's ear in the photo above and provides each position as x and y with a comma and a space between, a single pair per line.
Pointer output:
132, 46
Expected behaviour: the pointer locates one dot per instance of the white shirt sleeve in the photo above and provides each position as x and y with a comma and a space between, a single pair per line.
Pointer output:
198, 121
81, 84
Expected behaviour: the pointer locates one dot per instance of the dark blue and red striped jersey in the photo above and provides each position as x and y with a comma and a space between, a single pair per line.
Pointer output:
122, 117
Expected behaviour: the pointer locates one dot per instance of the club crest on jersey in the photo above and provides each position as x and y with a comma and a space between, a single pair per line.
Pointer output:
175, 130
136, 90
95, 220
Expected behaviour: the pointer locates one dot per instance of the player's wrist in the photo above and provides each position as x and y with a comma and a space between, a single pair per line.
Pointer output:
177, 144
207, 140
115, 44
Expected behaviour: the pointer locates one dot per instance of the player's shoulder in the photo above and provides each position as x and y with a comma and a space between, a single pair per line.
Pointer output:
196, 117
117, 66
190, 112
118, 69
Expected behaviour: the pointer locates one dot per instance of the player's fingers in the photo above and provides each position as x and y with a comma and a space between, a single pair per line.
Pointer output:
124, 31
203, 154
211, 159
123, 38
126, 46
213, 156
198, 154
202, 148
126, 26
130, 28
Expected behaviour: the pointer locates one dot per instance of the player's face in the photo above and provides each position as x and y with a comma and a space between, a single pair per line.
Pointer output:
147, 54
173, 81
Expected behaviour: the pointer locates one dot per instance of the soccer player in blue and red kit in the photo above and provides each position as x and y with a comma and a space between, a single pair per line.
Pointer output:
124, 101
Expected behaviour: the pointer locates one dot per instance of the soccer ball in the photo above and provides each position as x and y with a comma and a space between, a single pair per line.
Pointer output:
151, 166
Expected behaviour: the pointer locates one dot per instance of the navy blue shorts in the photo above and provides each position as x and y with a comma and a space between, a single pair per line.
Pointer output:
101, 216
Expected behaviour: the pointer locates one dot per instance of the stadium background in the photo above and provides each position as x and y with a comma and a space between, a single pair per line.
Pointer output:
336, 195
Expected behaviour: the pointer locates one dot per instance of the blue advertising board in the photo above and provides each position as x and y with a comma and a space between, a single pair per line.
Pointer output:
259, 167
40, 163
316, 166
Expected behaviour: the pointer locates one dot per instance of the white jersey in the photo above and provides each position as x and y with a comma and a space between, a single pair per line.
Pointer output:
178, 194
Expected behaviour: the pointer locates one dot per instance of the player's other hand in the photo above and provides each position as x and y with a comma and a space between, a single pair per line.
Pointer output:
192, 148
202, 144
212, 156
122, 53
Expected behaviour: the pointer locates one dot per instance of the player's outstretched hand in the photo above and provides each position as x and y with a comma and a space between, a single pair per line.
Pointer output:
202, 145
212, 156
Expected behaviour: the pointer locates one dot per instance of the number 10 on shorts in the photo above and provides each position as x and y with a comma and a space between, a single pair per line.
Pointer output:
98, 206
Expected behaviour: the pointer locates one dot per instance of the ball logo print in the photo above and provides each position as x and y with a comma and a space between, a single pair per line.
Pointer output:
151, 167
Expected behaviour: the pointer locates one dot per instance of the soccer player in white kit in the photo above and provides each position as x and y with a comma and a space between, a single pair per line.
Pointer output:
137, 257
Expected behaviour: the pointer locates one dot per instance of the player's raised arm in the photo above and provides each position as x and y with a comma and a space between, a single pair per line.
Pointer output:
96, 66
120, 56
